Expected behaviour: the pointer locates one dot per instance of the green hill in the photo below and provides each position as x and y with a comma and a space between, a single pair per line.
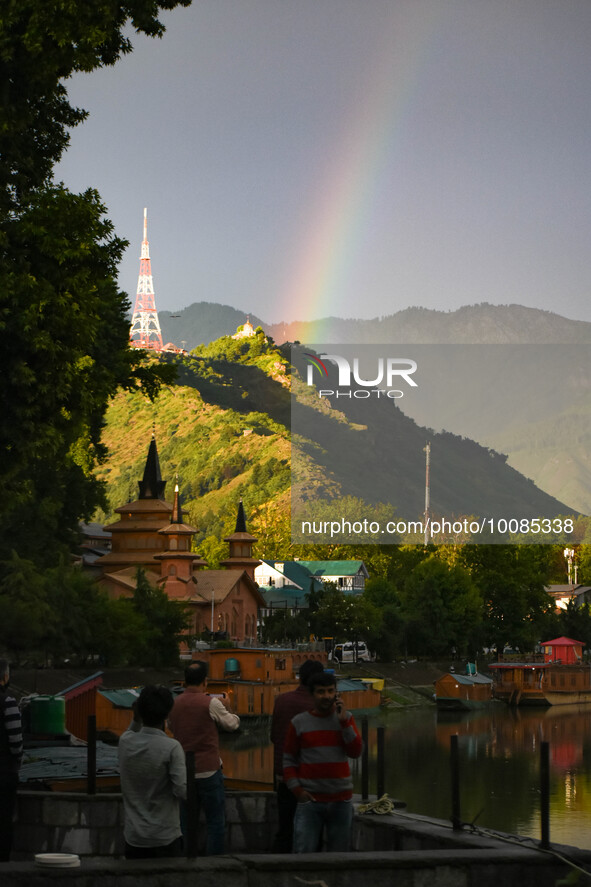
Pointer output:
224, 428
553, 450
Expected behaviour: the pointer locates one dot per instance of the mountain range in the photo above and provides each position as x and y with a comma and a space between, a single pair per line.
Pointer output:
551, 447
202, 322
225, 429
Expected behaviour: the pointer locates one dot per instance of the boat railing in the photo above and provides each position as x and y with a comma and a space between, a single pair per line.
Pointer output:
520, 657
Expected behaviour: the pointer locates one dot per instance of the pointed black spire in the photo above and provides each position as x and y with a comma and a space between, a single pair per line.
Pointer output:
152, 486
240, 520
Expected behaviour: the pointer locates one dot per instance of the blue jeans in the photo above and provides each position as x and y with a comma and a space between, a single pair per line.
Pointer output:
209, 797
310, 819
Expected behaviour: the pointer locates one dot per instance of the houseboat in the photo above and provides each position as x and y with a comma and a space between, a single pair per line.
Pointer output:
254, 677
463, 692
557, 676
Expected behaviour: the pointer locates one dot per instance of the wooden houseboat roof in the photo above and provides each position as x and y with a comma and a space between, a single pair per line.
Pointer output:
468, 679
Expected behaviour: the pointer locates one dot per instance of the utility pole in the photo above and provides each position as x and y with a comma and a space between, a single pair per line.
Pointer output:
427, 490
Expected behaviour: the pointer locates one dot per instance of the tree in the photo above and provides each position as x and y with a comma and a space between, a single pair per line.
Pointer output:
165, 622
26, 614
62, 318
66, 353
512, 580
280, 626
271, 525
442, 609
575, 622
78, 610
389, 640
584, 570
122, 636
344, 617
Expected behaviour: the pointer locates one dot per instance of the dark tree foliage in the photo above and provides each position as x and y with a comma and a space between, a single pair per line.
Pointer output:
511, 580
165, 622
65, 352
281, 627
63, 320
441, 609
61, 615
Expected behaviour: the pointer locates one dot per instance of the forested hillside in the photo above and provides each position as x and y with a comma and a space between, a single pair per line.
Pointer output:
223, 429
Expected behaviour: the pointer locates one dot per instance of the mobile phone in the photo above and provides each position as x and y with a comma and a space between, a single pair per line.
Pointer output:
339, 704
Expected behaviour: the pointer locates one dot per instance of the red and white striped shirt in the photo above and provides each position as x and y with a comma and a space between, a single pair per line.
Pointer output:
315, 755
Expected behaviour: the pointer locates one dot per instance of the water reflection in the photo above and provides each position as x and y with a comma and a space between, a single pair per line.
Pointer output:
499, 752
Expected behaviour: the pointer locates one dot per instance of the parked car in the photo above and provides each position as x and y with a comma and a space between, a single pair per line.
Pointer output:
351, 651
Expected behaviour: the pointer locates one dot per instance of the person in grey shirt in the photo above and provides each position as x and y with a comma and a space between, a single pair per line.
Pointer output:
153, 779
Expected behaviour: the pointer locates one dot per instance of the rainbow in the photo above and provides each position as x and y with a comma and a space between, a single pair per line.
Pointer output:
346, 189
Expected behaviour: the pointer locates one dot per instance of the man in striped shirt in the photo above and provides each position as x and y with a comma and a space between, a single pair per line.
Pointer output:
287, 706
316, 768
11, 750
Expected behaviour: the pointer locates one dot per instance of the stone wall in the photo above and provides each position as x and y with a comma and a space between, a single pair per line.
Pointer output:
92, 825
402, 849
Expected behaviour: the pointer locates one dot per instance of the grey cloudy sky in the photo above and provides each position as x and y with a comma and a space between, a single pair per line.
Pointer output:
305, 158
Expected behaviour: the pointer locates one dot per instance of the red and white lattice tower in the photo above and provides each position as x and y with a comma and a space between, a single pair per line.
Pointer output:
145, 326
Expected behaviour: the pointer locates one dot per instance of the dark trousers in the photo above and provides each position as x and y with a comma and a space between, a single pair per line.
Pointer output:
207, 795
8, 786
173, 849
286, 808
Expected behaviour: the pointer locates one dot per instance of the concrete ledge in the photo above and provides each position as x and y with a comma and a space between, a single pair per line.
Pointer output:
410, 831
464, 868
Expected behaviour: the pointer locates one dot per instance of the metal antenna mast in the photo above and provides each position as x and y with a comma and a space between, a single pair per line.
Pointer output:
145, 327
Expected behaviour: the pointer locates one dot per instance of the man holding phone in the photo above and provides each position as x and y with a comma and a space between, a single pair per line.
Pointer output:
316, 768
194, 721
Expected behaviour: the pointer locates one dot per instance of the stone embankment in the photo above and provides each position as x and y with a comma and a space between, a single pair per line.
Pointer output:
400, 848
406, 683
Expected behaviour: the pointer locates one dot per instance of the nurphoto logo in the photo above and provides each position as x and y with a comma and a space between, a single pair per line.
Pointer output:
388, 371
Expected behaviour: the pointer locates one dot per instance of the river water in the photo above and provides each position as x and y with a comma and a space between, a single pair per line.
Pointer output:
499, 756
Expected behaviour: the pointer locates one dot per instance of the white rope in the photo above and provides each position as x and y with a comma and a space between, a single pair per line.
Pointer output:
383, 806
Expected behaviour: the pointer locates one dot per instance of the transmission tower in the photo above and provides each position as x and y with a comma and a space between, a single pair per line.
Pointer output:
145, 327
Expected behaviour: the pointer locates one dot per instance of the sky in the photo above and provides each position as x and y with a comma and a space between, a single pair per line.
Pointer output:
309, 158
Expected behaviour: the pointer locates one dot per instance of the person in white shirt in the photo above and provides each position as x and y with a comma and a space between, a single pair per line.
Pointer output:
153, 779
